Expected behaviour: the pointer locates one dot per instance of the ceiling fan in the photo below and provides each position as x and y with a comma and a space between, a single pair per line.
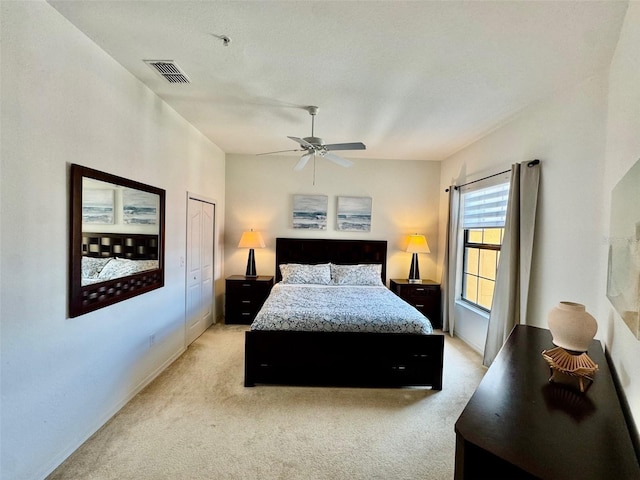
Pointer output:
314, 146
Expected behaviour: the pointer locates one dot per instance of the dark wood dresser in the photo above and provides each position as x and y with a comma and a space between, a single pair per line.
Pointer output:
244, 297
517, 425
425, 296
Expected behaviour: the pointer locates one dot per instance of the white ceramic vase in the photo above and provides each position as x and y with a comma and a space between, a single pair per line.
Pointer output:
572, 327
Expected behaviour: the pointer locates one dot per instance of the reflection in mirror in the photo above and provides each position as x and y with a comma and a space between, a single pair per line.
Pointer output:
117, 243
623, 280
110, 209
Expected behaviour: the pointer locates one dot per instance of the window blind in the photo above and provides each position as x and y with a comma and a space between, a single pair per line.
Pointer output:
485, 207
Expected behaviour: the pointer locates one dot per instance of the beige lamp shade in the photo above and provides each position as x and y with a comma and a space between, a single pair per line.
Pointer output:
418, 244
251, 239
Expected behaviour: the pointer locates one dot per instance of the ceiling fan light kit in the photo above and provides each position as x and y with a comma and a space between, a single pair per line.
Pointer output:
314, 146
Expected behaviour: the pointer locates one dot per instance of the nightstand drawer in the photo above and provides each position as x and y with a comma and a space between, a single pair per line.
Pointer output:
420, 292
248, 290
428, 311
244, 306
241, 315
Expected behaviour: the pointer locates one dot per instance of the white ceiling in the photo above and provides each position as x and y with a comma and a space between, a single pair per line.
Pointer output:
412, 80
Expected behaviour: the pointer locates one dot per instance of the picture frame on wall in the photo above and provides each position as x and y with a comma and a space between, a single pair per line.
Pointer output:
98, 206
309, 212
623, 273
354, 214
139, 207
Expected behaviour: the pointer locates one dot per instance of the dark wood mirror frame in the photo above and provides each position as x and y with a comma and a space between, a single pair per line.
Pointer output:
86, 298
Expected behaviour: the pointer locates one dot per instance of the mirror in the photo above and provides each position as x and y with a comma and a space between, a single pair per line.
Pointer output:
117, 239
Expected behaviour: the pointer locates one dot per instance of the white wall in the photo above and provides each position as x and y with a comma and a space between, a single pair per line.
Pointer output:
259, 196
566, 132
587, 138
623, 151
66, 101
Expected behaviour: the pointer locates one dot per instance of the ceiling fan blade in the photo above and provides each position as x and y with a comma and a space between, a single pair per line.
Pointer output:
281, 151
346, 146
302, 142
343, 162
303, 161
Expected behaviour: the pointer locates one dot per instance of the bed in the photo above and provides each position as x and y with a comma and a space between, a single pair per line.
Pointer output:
370, 356
101, 269
114, 265
108, 256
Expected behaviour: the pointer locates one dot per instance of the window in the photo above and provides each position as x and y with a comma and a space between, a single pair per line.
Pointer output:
480, 264
483, 216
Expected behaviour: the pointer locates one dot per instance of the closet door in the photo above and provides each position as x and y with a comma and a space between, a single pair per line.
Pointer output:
199, 285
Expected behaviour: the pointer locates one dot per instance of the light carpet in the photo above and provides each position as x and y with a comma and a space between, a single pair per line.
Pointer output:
198, 421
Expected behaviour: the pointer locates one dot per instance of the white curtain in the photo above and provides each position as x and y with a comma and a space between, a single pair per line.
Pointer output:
511, 292
449, 277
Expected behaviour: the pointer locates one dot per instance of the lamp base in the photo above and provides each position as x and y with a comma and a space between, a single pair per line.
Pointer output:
251, 264
414, 271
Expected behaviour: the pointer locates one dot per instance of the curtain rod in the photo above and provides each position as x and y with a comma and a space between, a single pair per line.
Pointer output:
530, 164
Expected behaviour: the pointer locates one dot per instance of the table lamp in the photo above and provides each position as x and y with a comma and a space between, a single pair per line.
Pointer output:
417, 244
251, 240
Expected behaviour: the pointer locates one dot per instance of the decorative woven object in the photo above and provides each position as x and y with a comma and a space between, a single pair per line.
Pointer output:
576, 371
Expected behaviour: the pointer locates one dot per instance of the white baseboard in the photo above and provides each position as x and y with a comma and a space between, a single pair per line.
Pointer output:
59, 459
474, 346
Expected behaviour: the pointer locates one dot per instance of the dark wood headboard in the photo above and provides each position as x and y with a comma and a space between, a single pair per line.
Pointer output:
343, 252
134, 246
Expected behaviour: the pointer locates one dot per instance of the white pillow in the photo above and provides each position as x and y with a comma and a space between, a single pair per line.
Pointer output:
121, 267
295, 273
363, 274
144, 265
118, 267
92, 266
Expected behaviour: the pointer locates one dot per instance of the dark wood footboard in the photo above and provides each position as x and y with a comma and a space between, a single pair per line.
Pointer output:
343, 359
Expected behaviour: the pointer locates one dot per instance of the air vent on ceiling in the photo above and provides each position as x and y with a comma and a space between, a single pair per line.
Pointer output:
169, 70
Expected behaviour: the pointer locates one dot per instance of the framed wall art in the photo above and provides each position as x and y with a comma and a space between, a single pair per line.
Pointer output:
310, 212
623, 279
139, 207
354, 214
98, 205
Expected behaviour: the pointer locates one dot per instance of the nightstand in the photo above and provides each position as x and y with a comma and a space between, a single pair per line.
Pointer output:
245, 296
425, 296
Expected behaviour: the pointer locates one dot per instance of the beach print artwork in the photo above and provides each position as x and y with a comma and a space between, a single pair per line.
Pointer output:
139, 208
354, 214
97, 206
310, 212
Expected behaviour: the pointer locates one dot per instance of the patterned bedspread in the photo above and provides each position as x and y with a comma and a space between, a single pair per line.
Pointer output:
328, 308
